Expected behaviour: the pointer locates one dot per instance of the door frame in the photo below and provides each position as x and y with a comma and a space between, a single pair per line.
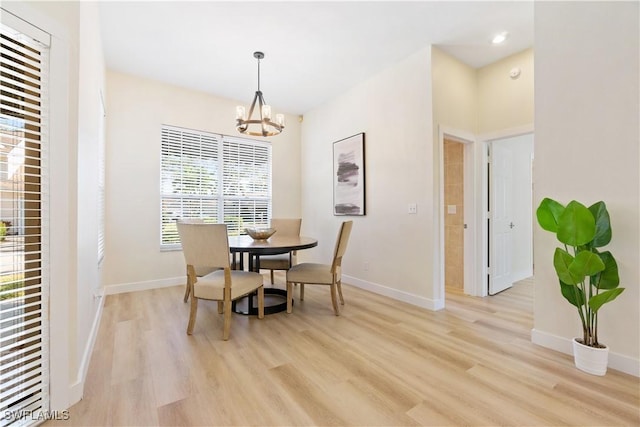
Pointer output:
471, 187
484, 140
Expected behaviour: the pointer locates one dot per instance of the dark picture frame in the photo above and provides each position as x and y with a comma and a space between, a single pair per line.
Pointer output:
349, 176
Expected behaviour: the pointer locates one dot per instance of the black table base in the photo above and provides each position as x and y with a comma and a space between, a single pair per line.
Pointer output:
275, 301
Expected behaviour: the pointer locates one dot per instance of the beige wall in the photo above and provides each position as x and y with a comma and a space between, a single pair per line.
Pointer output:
483, 100
455, 108
137, 107
587, 133
455, 93
393, 109
90, 113
503, 102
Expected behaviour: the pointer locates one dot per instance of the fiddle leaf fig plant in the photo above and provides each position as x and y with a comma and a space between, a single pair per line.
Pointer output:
588, 276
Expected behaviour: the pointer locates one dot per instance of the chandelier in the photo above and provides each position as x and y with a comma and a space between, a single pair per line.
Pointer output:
262, 126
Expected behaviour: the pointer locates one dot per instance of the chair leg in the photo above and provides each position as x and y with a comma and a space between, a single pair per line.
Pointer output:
261, 302
334, 300
187, 290
220, 307
192, 315
289, 297
271, 277
301, 291
339, 283
226, 328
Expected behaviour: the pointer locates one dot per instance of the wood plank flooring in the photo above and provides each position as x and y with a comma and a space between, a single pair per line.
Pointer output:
381, 363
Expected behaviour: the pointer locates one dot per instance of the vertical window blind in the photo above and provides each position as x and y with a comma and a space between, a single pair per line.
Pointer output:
101, 180
24, 225
218, 178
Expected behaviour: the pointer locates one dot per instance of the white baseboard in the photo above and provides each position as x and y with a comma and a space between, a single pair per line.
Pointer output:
76, 390
143, 286
376, 288
617, 361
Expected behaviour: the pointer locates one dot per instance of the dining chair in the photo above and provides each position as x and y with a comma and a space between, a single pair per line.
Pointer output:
200, 270
207, 245
284, 227
321, 274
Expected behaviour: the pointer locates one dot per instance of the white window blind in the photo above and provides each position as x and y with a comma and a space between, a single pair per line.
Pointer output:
24, 230
101, 180
214, 177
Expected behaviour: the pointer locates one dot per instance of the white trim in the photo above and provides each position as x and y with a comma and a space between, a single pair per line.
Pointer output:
395, 294
76, 390
617, 361
60, 208
24, 27
143, 286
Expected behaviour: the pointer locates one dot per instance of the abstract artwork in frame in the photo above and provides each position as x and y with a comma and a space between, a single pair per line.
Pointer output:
348, 176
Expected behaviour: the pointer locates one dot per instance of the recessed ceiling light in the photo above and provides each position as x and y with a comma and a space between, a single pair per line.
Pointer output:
500, 38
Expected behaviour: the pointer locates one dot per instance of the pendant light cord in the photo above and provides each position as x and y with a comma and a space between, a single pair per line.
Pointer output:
258, 74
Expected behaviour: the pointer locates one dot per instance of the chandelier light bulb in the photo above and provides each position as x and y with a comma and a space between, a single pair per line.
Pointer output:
240, 112
266, 112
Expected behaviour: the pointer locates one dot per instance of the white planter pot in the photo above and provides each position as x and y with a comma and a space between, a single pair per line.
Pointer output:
590, 359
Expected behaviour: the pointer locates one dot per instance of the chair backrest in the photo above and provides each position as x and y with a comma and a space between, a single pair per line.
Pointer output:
341, 244
201, 270
204, 245
287, 226
191, 220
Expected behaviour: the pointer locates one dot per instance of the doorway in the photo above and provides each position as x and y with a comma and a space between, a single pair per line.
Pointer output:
459, 193
510, 211
453, 152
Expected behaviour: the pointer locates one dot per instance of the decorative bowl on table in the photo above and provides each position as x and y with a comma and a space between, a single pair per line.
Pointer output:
260, 233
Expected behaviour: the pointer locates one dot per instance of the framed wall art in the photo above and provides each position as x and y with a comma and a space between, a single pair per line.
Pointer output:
348, 176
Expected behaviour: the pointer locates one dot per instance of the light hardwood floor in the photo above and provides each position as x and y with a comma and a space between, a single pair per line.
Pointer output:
381, 363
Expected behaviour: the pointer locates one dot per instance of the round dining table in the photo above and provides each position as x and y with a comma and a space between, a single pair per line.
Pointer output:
275, 298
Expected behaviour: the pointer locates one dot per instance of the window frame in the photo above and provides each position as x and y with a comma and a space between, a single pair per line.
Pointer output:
257, 200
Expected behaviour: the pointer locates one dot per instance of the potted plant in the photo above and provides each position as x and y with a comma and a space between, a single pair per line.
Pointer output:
588, 276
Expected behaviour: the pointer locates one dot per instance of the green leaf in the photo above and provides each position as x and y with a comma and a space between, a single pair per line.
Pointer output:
599, 300
603, 224
586, 263
548, 213
607, 278
576, 225
572, 293
561, 261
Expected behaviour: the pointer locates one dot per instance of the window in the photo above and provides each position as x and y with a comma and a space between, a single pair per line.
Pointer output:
24, 224
218, 178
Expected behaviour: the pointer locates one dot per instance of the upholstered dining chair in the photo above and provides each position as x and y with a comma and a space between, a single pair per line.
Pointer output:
284, 227
200, 270
321, 274
207, 245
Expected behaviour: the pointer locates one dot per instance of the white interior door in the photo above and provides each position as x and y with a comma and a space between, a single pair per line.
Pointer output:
501, 215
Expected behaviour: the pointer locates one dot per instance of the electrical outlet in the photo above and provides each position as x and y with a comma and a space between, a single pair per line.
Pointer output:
413, 208
366, 266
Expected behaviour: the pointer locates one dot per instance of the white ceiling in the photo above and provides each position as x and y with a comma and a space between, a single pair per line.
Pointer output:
313, 50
